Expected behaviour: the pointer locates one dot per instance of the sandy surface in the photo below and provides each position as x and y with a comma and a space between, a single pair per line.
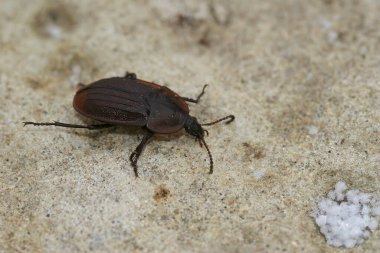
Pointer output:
302, 78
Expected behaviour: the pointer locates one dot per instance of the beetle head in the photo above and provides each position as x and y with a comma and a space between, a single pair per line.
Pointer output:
194, 128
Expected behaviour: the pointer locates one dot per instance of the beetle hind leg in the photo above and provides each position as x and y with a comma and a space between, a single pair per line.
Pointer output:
56, 123
192, 100
137, 152
130, 75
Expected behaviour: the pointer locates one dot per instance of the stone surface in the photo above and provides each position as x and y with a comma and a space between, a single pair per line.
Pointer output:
302, 78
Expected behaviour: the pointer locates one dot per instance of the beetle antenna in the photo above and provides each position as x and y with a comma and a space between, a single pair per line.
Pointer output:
201, 140
229, 117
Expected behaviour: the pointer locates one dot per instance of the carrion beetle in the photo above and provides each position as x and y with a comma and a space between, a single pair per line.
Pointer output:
128, 101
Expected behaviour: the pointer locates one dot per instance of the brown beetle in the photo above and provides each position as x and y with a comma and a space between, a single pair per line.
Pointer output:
129, 101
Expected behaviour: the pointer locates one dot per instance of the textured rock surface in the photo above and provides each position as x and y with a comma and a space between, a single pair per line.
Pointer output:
302, 78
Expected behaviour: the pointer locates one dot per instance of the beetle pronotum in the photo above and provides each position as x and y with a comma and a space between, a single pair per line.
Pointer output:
129, 101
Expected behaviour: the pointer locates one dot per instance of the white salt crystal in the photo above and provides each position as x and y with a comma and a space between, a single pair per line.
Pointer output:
313, 130
346, 218
259, 173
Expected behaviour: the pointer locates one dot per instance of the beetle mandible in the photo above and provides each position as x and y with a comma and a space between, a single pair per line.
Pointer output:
129, 101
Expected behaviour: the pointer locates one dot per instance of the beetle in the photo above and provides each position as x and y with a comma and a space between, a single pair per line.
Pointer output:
129, 101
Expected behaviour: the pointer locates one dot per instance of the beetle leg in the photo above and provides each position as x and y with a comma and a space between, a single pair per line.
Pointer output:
81, 85
198, 98
56, 123
136, 154
130, 75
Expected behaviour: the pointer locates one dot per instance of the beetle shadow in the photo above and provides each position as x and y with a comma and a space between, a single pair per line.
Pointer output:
134, 132
169, 137
113, 130
139, 133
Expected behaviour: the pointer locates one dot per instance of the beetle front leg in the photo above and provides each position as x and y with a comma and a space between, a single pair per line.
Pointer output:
136, 154
56, 123
199, 96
